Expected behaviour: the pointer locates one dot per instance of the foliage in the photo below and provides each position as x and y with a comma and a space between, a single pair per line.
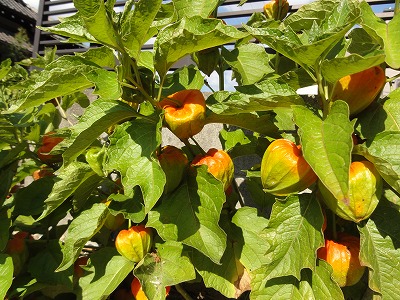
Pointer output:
204, 236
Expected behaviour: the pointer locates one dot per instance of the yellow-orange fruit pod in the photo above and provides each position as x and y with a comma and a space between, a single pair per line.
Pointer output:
276, 9
343, 256
219, 164
174, 163
134, 243
365, 190
284, 170
185, 112
360, 89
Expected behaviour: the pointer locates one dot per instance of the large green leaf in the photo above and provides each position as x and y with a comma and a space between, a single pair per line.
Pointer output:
97, 19
191, 8
170, 267
107, 270
80, 231
293, 228
102, 56
308, 14
386, 33
98, 117
255, 242
186, 78
6, 274
29, 200
308, 47
43, 265
263, 96
383, 152
380, 249
188, 36
337, 68
135, 29
327, 144
72, 27
5, 224
224, 277
131, 151
249, 62
191, 214
382, 116
314, 285
71, 177
67, 75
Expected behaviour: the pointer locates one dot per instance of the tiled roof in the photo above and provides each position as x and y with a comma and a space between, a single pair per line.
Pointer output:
19, 6
9, 39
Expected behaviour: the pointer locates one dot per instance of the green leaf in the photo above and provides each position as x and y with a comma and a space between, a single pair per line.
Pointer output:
101, 56
6, 274
97, 21
313, 285
191, 214
5, 224
263, 96
233, 138
276, 288
380, 117
258, 122
192, 8
339, 67
385, 33
380, 249
80, 231
327, 144
131, 208
132, 147
30, 200
255, 244
169, 267
5, 68
107, 270
383, 152
67, 75
224, 277
310, 13
249, 62
319, 37
97, 118
362, 43
192, 35
43, 265
71, 177
186, 78
72, 27
319, 284
294, 227
135, 29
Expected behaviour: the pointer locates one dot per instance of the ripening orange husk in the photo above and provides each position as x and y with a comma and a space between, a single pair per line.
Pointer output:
343, 256
359, 90
219, 164
365, 190
185, 112
284, 170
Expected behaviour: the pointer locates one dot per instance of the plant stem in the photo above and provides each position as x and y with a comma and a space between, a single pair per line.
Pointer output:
189, 146
198, 145
181, 291
62, 112
393, 78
